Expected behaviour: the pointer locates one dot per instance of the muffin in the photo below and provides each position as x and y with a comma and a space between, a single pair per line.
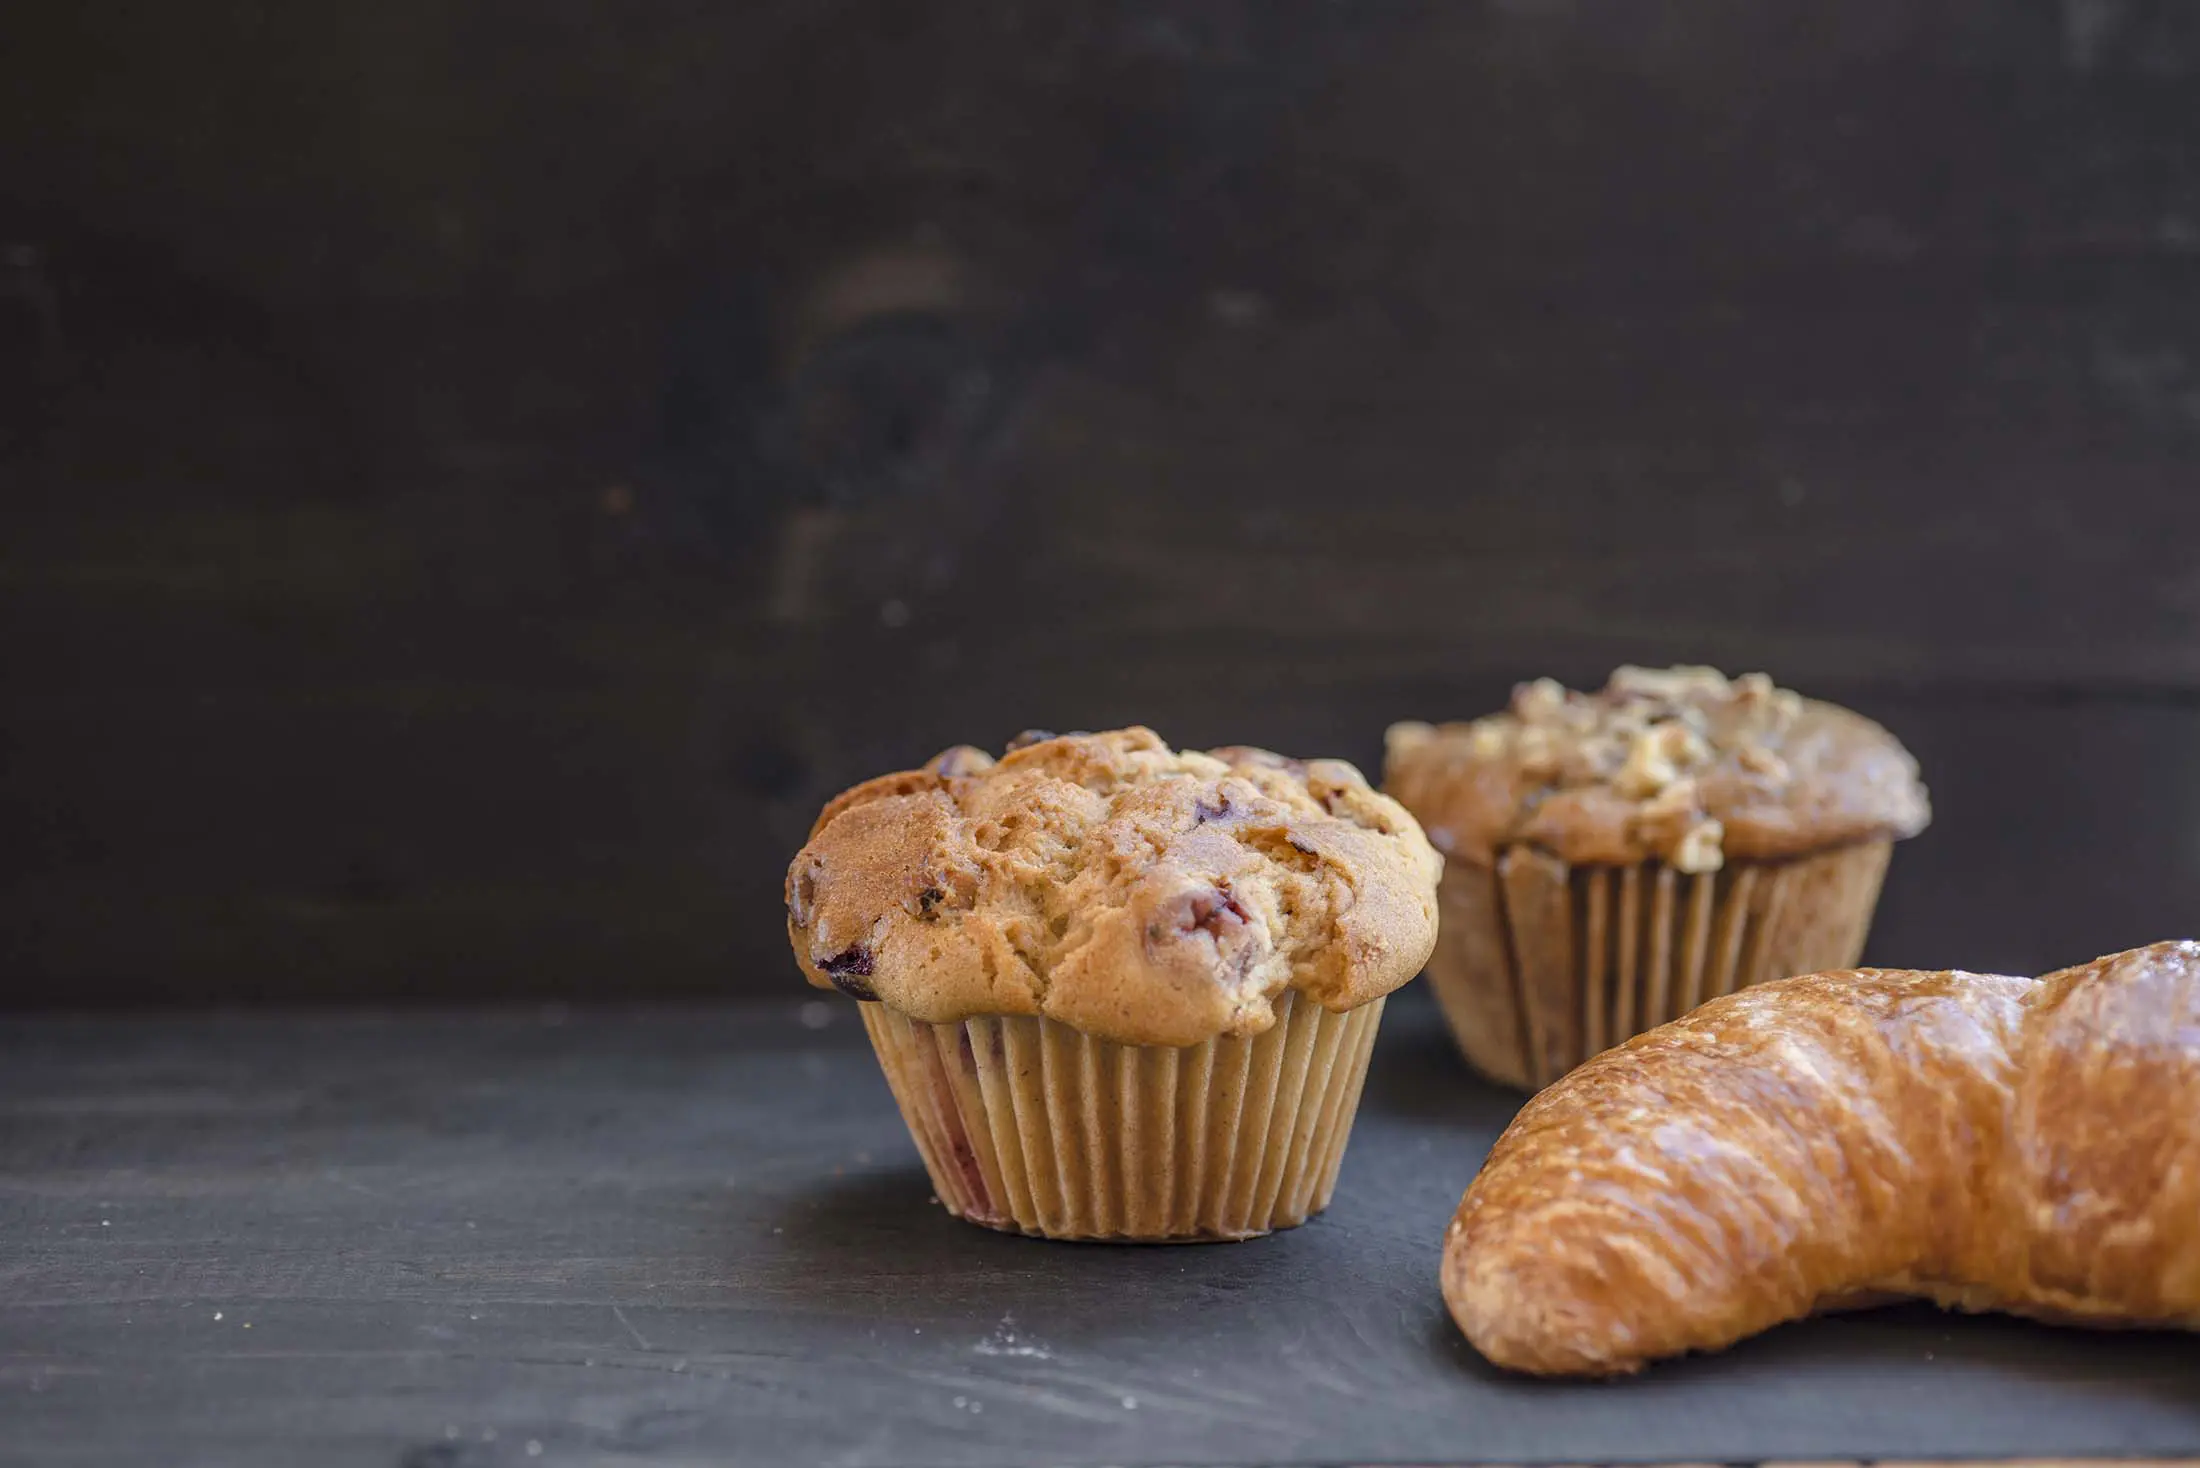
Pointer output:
1120, 991
1614, 859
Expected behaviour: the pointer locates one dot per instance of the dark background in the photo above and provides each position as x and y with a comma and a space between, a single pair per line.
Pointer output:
476, 477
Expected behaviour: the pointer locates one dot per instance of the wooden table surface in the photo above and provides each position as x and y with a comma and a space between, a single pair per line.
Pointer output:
687, 1236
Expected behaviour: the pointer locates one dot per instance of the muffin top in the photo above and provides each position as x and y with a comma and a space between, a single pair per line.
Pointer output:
1139, 893
1682, 765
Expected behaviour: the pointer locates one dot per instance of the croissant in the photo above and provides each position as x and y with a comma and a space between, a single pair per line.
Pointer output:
1986, 1142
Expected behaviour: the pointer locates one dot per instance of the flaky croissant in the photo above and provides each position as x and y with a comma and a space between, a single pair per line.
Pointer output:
1989, 1143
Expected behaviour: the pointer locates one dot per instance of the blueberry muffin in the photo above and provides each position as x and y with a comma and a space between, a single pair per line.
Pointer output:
1614, 859
1120, 991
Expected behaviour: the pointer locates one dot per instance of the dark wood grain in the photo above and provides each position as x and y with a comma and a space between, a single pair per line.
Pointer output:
471, 852
701, 1236
475, 481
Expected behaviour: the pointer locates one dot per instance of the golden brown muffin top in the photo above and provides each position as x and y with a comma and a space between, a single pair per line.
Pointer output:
1135, 892
1681, 764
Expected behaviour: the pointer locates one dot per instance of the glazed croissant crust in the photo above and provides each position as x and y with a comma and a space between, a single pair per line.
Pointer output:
1989, 1143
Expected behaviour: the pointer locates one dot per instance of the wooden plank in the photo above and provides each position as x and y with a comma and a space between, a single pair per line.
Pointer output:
236, 867
1915, 1463
700, 1236
480, 603
1710, 106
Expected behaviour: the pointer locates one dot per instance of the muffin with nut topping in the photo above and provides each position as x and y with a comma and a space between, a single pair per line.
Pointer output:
1120, 991
1613, 859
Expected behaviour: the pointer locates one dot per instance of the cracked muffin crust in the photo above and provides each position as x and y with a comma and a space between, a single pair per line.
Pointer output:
1681, 765
1617, 858
1137, 893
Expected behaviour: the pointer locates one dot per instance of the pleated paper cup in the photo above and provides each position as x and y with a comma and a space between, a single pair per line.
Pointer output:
1033, 1127
1540, 965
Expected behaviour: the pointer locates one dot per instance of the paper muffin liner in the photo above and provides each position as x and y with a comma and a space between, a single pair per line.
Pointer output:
1540, 965
1030, 1126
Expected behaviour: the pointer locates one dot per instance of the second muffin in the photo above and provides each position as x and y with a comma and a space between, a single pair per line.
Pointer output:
1120, 991
1615, 859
